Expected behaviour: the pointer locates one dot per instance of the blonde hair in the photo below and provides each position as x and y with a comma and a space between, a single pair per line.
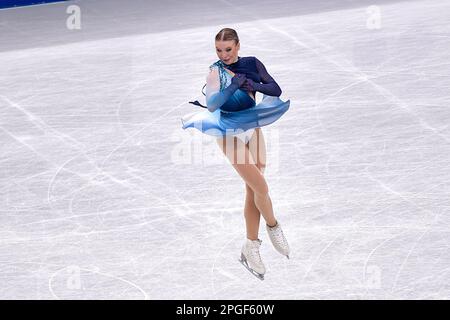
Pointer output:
227, 34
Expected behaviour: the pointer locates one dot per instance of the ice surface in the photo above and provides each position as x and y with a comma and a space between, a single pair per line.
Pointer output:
96, 201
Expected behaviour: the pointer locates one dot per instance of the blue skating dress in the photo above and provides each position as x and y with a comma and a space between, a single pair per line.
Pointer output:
240, 112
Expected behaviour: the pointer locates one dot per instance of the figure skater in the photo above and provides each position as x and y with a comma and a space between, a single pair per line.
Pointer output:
233, 116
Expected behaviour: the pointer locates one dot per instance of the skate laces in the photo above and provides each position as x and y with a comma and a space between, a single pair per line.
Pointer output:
254, 250
277, 234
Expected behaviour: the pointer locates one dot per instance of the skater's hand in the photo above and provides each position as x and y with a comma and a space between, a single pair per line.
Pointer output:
238, 79
249, 85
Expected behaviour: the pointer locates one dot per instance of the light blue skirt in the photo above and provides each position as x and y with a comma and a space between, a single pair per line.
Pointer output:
221, 123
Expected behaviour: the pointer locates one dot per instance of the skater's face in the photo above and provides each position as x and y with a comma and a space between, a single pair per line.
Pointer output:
227, 51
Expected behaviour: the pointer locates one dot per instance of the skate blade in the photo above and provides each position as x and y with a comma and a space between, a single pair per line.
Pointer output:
253, 272
283, 254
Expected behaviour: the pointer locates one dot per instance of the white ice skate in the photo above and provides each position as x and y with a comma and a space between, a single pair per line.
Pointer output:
251, 259
278, 239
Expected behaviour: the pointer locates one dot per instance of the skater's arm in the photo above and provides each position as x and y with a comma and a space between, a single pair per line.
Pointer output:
216, 98
268, 86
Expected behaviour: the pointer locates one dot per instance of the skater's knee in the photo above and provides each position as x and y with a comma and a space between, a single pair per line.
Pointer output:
261, 189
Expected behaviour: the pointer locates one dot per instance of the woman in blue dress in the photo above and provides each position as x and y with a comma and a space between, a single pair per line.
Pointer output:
233, 116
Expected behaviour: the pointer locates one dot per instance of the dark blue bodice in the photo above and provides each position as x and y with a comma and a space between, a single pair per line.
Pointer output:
247, 66
240, 100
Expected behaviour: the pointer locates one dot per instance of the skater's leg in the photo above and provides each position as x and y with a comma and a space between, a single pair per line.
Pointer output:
252, 215
252, 176
257, 148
